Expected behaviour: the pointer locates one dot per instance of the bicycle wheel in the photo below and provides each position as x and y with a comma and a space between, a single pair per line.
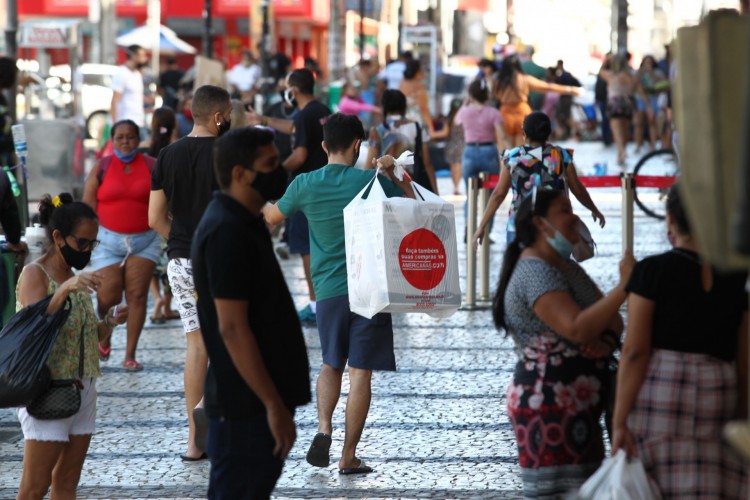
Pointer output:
653, 172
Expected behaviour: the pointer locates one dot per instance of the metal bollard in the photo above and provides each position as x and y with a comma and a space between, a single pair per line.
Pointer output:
484, 250
471, 258
628, 185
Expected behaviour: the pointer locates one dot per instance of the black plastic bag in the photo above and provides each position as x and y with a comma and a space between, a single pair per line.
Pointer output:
25, 344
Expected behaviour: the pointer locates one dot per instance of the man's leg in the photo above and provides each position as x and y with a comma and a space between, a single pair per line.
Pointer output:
196, 365
357, 407
328, 391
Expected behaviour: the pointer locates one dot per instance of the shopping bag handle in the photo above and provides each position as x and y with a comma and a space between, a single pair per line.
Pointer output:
408, 177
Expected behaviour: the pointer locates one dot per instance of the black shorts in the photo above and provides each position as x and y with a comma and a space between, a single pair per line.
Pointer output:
299, 234
620, 107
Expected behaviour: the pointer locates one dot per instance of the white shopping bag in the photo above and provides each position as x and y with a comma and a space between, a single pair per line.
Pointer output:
401, 253
619, 478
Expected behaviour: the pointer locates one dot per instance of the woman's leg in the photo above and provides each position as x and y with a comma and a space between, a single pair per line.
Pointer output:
109, 293
67, 472
653, 130
619, 128
640, 119
138, 274
39, 459
155, 289
456, 177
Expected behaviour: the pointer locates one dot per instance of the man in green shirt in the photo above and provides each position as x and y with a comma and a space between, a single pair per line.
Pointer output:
536, 100
367, 344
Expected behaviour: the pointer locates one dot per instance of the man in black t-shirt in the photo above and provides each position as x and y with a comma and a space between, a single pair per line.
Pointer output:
307, 155
259, 371
181, 187
169, 83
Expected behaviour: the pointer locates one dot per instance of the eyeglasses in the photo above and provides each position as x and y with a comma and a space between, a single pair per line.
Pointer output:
84, 244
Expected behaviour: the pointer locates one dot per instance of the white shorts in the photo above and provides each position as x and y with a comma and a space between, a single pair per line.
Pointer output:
180, 275
80, 424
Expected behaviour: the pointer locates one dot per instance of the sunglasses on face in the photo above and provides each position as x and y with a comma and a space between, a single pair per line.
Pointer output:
84, 244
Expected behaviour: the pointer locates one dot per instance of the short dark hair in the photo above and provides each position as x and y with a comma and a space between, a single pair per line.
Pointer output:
478, 90
487, 63
412, 68
238, 147
132, 50
207, 100
393, 101
303, 79
537, 126
130, 123
171, 60
65, 217
406, 55
340, 131
677, 211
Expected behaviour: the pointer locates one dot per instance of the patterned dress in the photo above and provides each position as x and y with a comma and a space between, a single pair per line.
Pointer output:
557, 395
542, 166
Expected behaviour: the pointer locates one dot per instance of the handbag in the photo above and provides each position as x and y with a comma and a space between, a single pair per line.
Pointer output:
62, 399
585, 248
25, 344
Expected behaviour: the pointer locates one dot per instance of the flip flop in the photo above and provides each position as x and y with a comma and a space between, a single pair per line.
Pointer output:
318, 454
132, 366
158, 321
201, 428
361, 469
104, 353
186, 458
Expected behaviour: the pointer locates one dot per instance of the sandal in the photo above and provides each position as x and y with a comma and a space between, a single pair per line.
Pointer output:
158, 320
104, 353
132, 366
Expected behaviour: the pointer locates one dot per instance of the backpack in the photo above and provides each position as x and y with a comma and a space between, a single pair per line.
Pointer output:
393, 142
105, 162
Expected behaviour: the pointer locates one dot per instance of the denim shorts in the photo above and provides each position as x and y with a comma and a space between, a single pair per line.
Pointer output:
366, 343
114, 247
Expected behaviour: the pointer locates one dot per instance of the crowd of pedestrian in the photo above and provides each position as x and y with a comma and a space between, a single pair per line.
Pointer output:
216, 177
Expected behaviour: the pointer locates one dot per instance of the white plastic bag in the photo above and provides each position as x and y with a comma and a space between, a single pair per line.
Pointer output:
619, 478
401, 253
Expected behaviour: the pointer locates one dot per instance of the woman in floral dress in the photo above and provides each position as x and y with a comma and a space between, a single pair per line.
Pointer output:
565, 331
535, 164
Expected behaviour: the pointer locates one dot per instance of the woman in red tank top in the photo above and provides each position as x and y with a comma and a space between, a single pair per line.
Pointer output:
119, 189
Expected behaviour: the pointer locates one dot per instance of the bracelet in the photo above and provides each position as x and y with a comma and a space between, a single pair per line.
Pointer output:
263, 121
106, 322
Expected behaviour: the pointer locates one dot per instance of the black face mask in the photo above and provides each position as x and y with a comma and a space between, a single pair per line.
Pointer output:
141, 65
356, 156
272, 185
74, 258
225, 126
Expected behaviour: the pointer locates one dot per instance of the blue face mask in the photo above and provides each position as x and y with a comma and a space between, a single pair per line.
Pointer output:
126, 158
560, 243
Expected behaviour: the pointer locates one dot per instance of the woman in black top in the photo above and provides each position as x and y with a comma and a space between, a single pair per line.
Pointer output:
683, 371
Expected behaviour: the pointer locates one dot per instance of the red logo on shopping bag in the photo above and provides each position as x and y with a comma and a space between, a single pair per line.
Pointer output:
422, 259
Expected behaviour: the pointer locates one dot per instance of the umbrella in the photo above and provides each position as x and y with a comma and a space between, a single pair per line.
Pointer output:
169, 42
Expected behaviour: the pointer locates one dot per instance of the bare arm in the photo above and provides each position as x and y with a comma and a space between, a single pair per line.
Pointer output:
158, 213
496, 199
582, 194
116, 97
500, 137
91, 187
243, 349
272, 215
538, 85
296, 159
284, 126
636, 353
424, 109
373, 149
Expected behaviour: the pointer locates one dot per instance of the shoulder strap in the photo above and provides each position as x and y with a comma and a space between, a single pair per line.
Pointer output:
37, 264
104, 164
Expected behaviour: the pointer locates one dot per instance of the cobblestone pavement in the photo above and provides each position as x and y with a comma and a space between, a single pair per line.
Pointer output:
437, 427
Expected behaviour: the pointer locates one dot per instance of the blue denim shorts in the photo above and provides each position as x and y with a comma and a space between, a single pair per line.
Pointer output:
114, 247
366, 343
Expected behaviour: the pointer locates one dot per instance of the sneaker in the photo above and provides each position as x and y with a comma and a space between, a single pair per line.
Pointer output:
283, 251
306, 316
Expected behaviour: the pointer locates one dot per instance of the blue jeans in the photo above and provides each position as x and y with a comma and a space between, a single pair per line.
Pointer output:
242, 462
478, 159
